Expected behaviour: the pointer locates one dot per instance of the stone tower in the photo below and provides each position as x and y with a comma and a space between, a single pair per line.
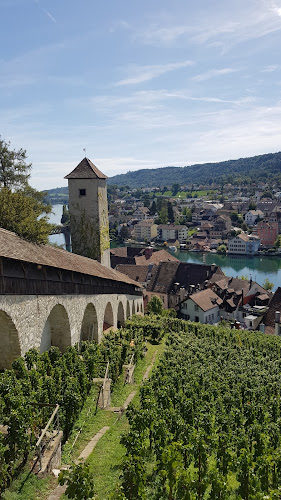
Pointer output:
88, 212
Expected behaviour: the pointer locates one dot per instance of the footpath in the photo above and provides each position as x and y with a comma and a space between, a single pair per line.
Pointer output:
86, 452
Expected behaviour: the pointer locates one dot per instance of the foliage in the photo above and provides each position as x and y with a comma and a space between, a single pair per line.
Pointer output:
155, 305
20, 212
171, 217
222, 249
79, 480
252, 205
124, 233
55, 378
268, 285
245, 171
277, 243
21, 206
14, 171
207, 424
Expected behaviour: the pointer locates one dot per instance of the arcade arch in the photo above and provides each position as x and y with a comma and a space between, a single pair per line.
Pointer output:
9, 341
120, 315
108, 320
56, 331
89, 327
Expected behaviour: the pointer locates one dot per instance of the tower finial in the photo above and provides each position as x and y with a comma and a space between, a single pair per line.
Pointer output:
84, 149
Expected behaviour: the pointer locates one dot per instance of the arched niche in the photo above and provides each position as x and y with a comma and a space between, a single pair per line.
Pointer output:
56, 331
89, 327
120, 315
128, 314
141, 307
138, 308
133, 308
9, 341
108, 320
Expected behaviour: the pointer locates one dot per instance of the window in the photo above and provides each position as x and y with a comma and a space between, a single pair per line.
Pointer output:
82, 192
196, 307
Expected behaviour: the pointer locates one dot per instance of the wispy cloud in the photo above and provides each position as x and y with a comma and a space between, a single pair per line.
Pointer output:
249, 20
48, 14
213, 73
270, 69
156, 35
140, 74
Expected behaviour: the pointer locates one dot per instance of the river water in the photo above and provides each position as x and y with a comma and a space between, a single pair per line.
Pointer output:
258, 268
55, 218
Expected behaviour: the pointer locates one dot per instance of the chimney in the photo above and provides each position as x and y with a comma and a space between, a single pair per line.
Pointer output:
182, 293
277, 323
213, 267
148, 252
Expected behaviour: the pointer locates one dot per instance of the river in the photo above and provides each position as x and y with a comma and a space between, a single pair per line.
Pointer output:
258, 268
55, 218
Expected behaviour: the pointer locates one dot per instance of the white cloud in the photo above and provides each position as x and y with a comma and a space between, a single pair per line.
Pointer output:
140, 74
213, 73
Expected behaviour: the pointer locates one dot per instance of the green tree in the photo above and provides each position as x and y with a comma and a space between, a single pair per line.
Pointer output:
155, 305
124, 233
171, 217
175, 189
268, 285
20, 213
222, 249
14, 170
252, 205
153, 208
79, 480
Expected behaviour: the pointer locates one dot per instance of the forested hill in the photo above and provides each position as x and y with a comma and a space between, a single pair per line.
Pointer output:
259, 168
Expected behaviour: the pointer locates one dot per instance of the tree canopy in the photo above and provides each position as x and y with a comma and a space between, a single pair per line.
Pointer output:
21, 206
14, 170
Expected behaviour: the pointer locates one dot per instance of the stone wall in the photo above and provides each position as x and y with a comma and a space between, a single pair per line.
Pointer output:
40, 321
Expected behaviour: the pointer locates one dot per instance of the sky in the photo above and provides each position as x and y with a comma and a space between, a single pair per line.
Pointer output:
138, 84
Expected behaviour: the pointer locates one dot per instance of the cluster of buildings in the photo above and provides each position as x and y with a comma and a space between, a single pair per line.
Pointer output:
242, 229
198, 292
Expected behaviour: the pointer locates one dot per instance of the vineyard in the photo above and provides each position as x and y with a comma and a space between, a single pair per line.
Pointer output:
208, 423
54, 378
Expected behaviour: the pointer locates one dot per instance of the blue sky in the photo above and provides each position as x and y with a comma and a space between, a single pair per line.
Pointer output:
139, 84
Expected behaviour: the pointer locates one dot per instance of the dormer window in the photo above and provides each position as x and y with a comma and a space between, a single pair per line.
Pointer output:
82, 192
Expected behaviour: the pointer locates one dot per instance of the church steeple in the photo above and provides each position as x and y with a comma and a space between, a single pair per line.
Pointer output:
88, 212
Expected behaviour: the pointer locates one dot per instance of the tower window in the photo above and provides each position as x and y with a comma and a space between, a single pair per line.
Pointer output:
82, 192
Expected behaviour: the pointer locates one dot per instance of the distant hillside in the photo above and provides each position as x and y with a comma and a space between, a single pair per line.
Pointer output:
57, 195
259, 168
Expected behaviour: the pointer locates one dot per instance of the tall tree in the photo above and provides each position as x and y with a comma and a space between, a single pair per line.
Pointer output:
171, 217
20, 213
153, 208
14, 170
22, 209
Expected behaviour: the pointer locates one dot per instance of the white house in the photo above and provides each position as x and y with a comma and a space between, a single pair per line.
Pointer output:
202, 307
252, 216
166, 232
244, 244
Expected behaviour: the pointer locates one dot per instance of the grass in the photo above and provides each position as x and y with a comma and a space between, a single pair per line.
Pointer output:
28, 486
106, 459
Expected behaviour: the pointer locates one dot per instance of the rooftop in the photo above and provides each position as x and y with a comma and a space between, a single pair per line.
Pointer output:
86, 170
14, 247
206, 299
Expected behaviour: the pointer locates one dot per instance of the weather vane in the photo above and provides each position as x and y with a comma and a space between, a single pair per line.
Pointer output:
84, 149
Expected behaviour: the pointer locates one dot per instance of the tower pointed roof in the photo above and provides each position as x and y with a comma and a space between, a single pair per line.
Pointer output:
86, 170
